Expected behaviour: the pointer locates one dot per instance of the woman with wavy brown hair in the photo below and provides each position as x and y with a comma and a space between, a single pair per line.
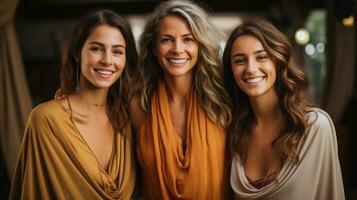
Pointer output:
281, 147
80, 146
180, 108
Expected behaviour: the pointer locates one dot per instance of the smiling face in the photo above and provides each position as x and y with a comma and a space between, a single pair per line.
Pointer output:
176, 47
253, 68
102, 57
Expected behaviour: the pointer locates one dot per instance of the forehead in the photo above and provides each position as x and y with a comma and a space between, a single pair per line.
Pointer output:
173, 24
105, 33
247, 43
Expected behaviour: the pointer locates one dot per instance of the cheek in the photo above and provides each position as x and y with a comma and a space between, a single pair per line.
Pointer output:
89, 58
120, 62
194, 51
273, 73
159, 54
159, 51
236, 73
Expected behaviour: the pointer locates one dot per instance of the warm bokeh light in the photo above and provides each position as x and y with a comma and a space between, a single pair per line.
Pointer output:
349, 21
302, 36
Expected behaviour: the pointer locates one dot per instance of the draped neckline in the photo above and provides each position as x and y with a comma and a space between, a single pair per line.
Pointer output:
112, 154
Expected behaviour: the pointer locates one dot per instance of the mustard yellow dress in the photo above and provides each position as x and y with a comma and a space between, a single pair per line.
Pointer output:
55, 162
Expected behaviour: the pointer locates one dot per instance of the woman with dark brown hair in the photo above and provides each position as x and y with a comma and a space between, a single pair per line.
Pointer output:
80, 147
282, 148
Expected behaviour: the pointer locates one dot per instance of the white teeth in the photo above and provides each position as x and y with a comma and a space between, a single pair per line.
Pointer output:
254, 80
104, 72
178, 61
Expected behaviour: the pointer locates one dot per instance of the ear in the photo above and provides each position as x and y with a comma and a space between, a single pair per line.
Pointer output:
76, 57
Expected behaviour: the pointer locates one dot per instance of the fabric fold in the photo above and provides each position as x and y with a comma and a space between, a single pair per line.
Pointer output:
170, 173
56, 163
317, 176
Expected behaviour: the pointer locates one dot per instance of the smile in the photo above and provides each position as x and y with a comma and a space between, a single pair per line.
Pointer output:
254, 80
178, 60
104, 72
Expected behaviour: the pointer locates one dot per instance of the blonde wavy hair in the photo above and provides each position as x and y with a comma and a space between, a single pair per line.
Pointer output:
290, 85
208, 72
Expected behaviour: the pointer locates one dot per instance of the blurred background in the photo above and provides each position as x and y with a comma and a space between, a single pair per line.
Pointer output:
323, 34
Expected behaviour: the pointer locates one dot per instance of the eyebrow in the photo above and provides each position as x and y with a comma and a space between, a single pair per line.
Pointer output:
115, 46
242, 54
184, 35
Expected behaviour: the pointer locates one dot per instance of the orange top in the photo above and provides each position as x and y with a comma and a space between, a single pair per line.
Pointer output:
168, 173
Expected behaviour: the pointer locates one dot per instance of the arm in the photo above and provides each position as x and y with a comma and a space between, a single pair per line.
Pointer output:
329, 171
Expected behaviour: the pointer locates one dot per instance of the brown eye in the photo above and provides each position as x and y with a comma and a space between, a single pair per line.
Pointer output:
95, 49
188, 39
263, 57
165, 40
118, 52
239, 61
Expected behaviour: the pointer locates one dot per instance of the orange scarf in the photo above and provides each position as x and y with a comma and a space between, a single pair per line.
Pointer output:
168, 173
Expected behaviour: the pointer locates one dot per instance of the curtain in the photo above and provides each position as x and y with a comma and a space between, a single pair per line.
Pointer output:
15, 101
297, 17
340, 79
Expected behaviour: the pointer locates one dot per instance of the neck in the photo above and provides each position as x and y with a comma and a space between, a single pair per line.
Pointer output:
266, 109
268, 118
178, 88
93, 99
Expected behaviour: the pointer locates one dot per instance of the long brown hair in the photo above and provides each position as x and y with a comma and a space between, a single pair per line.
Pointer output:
117, 99
290, 85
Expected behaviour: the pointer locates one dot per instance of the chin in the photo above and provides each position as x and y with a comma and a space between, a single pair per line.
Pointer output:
179, 72
103, 86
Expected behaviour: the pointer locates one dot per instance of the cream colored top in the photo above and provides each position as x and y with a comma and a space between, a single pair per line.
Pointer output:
317, 176
55, 162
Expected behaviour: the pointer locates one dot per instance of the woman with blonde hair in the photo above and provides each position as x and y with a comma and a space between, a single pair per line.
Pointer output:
80, 147
179, 106
282, 147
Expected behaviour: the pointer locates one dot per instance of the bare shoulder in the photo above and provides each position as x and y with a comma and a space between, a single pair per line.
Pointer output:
137, 114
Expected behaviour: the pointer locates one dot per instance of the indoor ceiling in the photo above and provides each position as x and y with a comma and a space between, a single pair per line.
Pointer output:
37, 9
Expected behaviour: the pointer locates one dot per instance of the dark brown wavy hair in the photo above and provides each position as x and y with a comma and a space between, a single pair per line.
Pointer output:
290, 85
117, 101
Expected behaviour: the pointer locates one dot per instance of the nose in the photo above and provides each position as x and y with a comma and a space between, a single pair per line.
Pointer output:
252, 66
106, 58
177, 47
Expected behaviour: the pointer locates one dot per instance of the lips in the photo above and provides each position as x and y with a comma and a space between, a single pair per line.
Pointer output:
254, 80
104, 72
178, 61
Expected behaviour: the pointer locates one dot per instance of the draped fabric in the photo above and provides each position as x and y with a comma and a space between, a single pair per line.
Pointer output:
15, 101
56, 162
169, 173
317, 176
339, 90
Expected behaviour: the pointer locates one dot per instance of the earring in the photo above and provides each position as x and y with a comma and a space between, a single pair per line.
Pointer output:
77, 78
